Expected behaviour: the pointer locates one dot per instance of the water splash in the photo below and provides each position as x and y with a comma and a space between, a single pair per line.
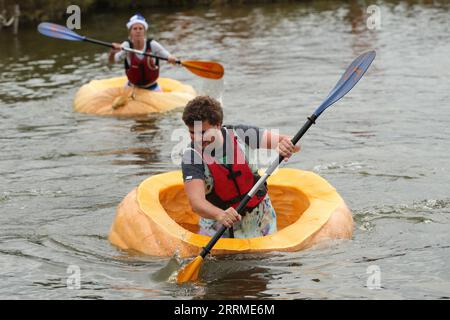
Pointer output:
417, 212
349, 166
169, 272
213, 88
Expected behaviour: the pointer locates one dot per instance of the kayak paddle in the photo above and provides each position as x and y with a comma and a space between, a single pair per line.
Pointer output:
205, 69
348, 80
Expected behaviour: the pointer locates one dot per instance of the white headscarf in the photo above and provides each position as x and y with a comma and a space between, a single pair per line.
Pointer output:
137, 18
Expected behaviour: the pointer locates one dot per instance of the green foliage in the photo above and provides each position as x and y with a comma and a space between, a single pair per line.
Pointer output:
34, 11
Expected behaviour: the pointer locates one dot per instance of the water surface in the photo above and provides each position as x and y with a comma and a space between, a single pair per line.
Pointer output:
384, 147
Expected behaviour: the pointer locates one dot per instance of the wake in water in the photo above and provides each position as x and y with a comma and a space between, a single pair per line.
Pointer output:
424, 211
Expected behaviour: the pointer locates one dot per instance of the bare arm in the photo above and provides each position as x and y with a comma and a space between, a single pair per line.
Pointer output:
195, 190
282, 143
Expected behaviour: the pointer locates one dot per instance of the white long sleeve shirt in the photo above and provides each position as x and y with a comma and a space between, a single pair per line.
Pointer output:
156, 48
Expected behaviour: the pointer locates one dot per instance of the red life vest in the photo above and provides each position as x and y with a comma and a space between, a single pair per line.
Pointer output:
142, 72
233, 181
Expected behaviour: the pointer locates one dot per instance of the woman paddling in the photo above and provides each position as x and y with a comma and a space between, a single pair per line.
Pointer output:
218, 171
142, 71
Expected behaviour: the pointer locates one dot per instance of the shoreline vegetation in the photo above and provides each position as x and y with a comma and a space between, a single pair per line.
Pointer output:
35, 11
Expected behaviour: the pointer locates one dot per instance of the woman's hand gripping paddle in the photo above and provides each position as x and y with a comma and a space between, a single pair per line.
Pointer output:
205, 69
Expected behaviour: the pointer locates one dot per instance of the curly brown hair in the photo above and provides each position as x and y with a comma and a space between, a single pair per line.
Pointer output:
203, 108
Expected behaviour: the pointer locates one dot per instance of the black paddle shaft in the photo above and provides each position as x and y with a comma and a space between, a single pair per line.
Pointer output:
108, 44
311, 120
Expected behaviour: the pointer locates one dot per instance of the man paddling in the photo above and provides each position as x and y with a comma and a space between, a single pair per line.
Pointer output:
218, 171
142, 71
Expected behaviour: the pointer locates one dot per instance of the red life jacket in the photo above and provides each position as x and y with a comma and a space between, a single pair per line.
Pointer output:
142, 72
233, 181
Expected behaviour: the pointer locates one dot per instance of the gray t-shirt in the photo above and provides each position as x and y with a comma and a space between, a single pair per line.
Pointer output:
192, 165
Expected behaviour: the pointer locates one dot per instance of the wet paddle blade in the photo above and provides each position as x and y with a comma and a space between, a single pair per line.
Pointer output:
190, 272
57, 31
349, 79
205, 69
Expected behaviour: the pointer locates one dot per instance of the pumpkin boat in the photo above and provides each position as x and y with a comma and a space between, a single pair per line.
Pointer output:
111, 97
156, 219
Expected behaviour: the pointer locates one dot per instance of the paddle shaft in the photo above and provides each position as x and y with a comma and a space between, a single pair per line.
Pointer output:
108, 44
311, 120
205, 69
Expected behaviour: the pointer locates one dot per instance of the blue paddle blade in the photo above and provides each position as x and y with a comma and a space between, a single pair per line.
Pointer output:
351, 76
57, 31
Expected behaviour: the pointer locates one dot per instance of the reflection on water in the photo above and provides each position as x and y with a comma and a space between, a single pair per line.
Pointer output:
384, 147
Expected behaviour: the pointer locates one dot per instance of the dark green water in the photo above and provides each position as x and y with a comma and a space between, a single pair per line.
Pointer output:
384, 147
